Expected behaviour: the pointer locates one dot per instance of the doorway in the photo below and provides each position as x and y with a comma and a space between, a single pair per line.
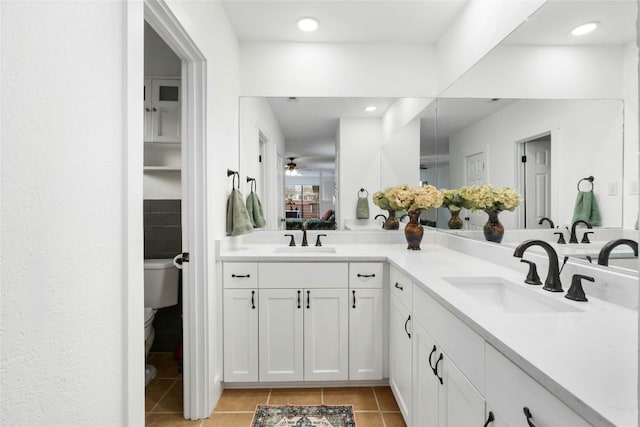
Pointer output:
535, 174
475, 174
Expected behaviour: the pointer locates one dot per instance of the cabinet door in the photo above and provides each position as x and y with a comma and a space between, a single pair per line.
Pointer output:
240, 335
148, 132
400, 356
460, 404
165, 110
280, 331
426, 386
365, 334
326, 340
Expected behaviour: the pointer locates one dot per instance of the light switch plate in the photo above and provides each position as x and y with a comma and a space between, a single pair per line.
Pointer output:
633, 188
612, 188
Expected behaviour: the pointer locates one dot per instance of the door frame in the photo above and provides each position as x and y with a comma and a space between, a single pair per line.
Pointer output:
196, 367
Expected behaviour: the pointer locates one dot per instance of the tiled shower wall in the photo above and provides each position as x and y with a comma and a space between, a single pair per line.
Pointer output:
163, 239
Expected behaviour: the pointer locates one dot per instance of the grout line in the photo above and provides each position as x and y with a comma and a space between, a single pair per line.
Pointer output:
375, 395
164, 395
322, 396
269, 397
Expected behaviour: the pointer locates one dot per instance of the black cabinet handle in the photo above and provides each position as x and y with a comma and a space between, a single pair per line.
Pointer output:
397, 285
431, 354
366, 275
354, 299
299, 299
490, 419
253, 300
435, 370
527, 413
308, 298
405, 326
241, 276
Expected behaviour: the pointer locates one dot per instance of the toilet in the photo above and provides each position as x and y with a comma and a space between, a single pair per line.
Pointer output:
160, 290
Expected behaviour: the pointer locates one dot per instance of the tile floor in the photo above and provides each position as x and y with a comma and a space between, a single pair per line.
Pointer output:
373, 406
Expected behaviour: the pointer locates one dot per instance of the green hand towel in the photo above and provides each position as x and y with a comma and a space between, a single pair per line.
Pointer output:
587, 209
362, 208
238, 221
254, 208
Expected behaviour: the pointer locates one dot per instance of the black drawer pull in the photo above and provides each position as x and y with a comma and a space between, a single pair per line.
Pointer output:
308, 298
397, 285
527, 413
253, 300
366, 275
431, 354
490, 419
354, 299
241, 276
405, 326
299, 299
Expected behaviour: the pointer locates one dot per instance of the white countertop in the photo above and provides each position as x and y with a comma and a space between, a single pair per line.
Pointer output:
588, 359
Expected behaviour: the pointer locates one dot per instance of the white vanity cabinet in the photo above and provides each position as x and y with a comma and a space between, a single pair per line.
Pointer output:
304, 321
162, 110
509, 390
400, 343
240, 337
365, 320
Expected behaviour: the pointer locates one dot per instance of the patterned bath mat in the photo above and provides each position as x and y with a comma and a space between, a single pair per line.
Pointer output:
303, 416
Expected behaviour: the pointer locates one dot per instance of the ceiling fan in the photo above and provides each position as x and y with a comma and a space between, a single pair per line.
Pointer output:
291, 168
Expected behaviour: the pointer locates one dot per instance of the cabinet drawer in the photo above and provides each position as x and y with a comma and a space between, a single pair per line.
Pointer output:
461, 343
365, 275
304, 275
240, 275
401, 287
509, 389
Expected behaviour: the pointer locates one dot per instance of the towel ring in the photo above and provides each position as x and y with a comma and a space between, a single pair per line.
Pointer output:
254, 185
234, 173
362, 190
588, 179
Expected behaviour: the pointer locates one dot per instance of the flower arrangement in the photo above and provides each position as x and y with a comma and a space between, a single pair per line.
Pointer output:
487, 197
452, 200
405, 198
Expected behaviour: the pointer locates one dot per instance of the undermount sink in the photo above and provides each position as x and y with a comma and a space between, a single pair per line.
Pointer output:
508, 297
304, 249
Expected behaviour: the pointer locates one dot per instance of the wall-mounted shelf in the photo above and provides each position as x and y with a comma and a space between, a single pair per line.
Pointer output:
162, 168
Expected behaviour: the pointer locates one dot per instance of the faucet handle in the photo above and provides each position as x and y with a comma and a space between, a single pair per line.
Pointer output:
532, 276
585, 237
318, 242
576, 292
293, 241
561, 240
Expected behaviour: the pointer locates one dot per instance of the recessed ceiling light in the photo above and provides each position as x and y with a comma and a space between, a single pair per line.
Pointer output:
370, 108
308, 24
584, 28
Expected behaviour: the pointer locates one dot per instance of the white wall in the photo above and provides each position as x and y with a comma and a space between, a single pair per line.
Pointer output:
480, 26
208, 26
544, 72
337, 69
358, 150
630, 165
400, 157
586, 140
63, 304
159, 59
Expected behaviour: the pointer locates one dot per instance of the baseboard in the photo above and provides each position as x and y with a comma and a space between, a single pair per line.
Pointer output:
307, 384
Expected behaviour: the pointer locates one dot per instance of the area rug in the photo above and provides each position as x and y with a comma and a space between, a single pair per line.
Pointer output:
303, 416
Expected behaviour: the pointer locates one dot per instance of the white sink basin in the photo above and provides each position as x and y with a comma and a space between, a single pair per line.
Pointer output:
304, 249
508, 297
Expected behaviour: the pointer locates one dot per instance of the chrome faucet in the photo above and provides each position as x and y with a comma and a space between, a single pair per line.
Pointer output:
304, 234
543, 219
552, 282
603, 256
574, 238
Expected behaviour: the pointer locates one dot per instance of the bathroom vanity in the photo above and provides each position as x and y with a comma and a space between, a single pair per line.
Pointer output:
459, 337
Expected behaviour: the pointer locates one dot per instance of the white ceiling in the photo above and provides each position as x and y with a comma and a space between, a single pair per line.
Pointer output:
348, 21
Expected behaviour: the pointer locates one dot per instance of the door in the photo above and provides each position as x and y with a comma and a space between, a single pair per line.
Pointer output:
426, 384
537, 181
240, 335
165, 110
400, 356
280, 332
326, 340
365, 334
460, 404
475, 174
